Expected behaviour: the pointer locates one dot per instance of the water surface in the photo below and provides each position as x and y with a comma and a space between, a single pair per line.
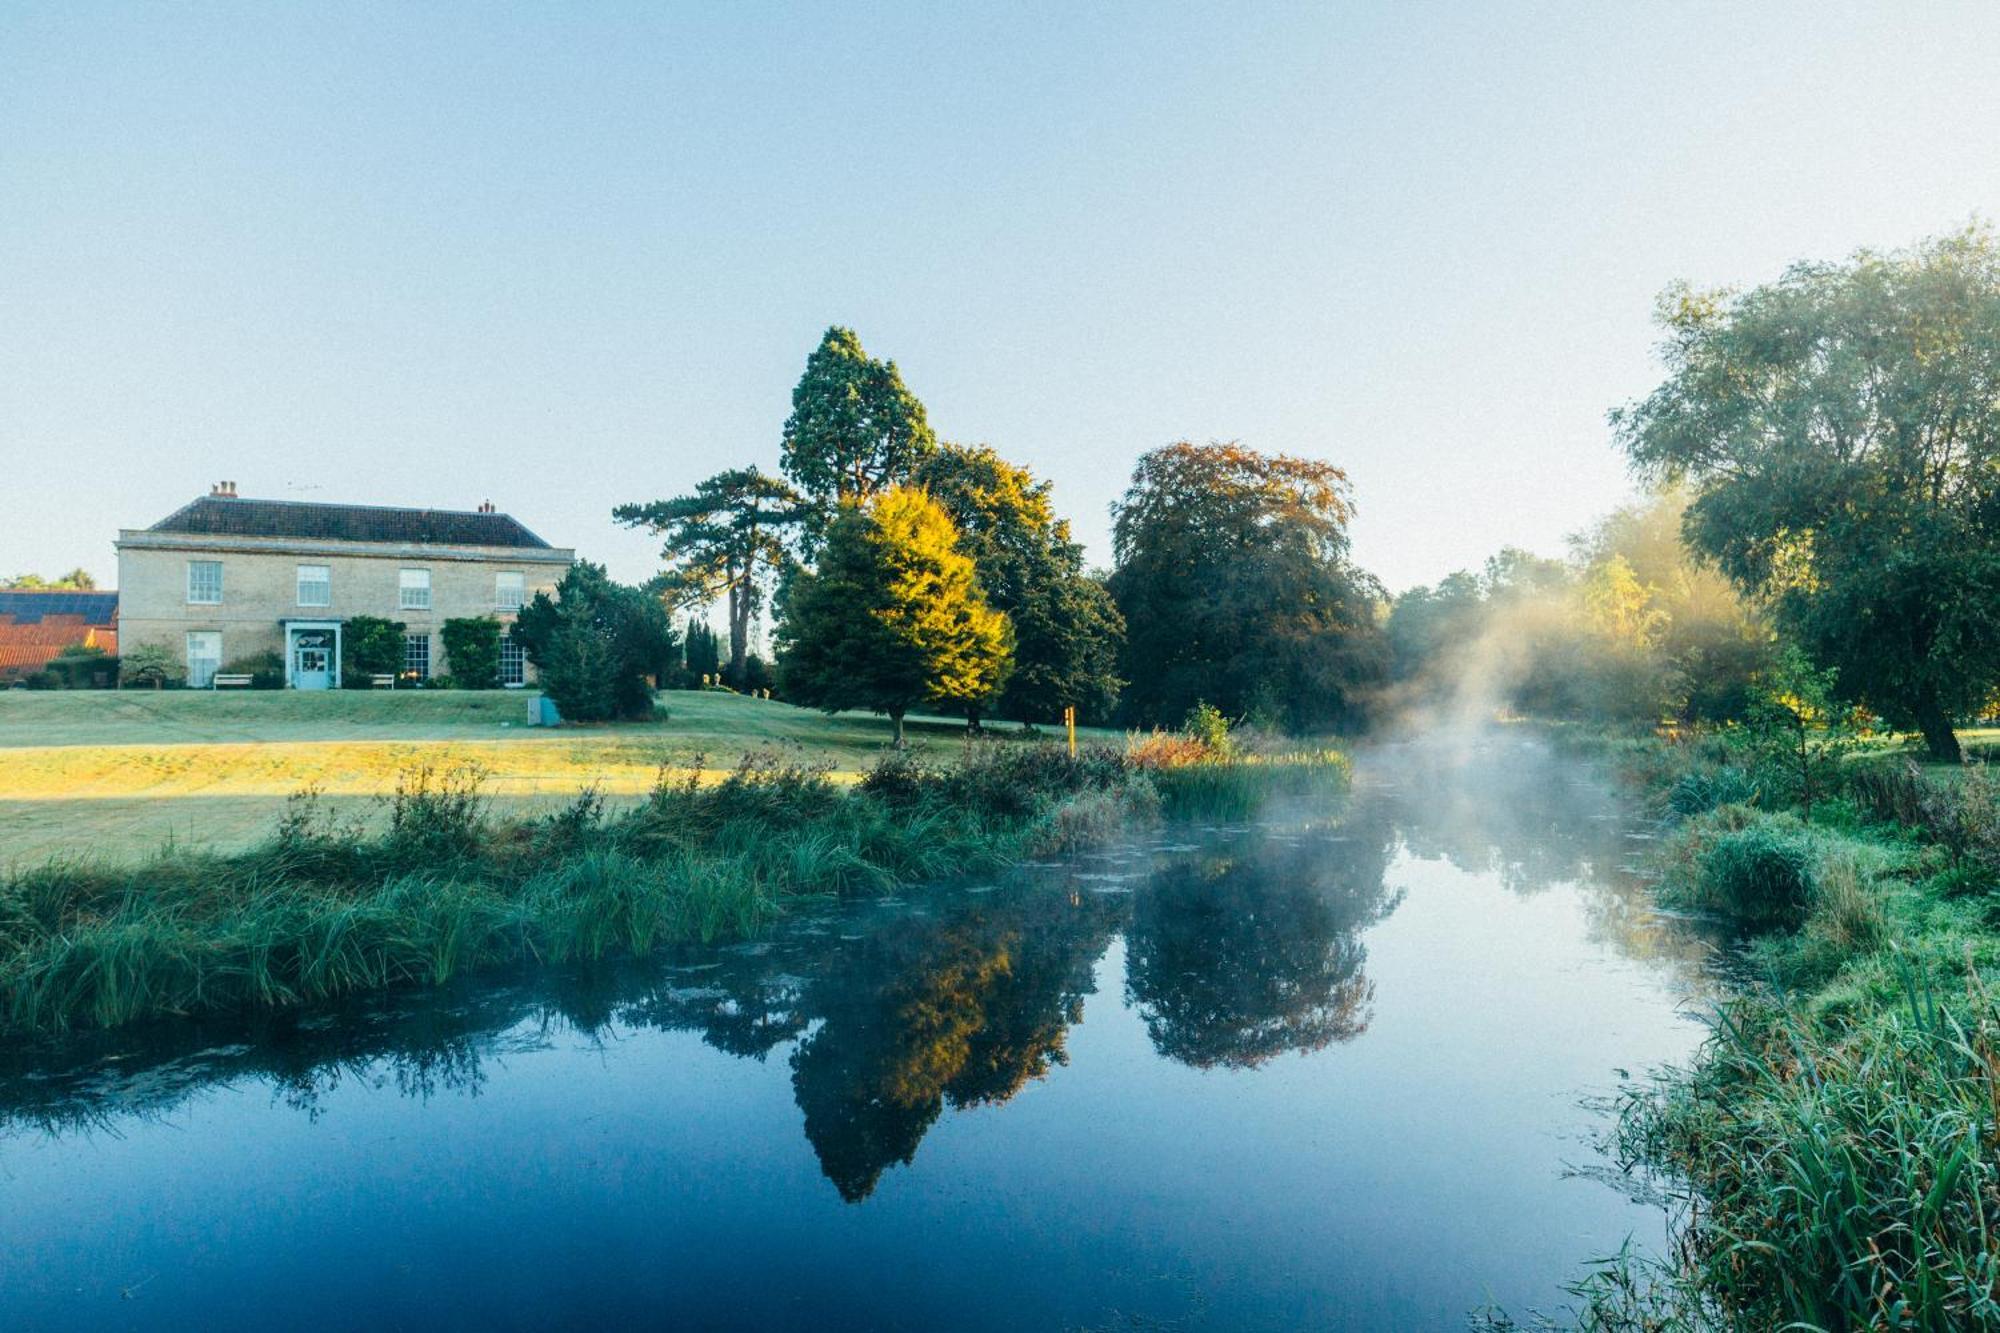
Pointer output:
1325, 1071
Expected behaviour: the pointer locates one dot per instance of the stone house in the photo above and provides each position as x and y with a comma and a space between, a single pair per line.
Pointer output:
223, 578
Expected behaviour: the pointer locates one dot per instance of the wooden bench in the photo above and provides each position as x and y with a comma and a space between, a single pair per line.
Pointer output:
382, 682
228, 681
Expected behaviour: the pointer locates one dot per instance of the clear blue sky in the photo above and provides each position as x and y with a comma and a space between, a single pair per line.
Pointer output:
564, 256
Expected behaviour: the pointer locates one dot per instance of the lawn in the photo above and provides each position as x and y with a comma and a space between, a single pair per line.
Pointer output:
119, 775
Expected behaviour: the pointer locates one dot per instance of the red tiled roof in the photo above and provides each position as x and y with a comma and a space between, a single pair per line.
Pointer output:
27, 648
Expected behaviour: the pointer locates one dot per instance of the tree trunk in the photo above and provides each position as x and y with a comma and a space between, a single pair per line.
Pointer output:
739, 632
1938, 735
972, 720
897, 718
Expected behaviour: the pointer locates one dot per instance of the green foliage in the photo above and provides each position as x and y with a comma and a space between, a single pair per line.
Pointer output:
893, 617
370, 646
1798, 734
266, 669
150, 665
854, 428
324, 910
1235, 585
1067, 631
1208, 727
726, 539
595, 645
704, 654
1841, 433
1760, 875
472, 651
77, 580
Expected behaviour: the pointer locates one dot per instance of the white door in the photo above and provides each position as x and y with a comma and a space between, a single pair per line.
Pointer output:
204, 656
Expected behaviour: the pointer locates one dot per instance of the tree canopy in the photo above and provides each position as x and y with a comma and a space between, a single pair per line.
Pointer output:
725, 539
893, 617
1840, 431
1234, 581
855, 428
77, 580
594, 645
1067, 630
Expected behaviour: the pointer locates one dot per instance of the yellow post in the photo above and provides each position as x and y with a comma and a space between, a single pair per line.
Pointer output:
1069, 720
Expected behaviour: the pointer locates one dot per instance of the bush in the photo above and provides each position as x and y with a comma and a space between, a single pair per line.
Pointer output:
1754, 868
1699, 791
435, 814
472, 650
266, 670
595, 645
152, 665
369, 646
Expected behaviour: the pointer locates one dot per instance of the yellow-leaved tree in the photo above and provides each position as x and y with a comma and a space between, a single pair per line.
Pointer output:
893, 617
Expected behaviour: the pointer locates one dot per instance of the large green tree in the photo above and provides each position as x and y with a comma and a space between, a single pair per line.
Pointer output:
1234, 580
595, 644
893, 616
1067, 630
726, 539
855, 428
77, 580
1840, 431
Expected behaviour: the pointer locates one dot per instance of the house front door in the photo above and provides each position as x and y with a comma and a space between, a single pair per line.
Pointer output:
312, 660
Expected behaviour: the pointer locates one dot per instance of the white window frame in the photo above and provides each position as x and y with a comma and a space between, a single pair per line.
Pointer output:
413, 590
192, 589
508, 599
324, 583
197, 678
519, 660
421, 668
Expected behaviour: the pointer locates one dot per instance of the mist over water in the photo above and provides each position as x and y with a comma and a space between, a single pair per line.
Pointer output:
1324, 1070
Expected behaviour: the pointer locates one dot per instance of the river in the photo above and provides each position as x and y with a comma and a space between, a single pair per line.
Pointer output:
1332, 1070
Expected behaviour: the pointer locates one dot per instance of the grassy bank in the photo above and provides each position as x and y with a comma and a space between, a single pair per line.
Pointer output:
121, 774
322, 907
1835, 1149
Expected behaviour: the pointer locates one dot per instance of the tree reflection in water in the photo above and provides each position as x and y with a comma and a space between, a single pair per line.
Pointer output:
1231, 960
1243, 947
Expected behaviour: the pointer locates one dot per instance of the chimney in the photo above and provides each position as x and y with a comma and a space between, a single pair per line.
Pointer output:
225, 490
485, 506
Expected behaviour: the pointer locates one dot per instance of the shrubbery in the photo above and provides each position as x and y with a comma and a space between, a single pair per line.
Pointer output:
472, 650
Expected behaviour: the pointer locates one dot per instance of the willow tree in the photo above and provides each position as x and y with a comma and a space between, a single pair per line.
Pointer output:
1840, 432
725, 540
855, 428
893, 616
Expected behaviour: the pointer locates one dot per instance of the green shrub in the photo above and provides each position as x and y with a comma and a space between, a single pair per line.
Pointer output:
150, 666
369, 646
1699, 791
472, 650
1754, 868
266, 670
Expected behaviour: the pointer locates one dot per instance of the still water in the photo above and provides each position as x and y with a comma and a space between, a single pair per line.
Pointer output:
1329, 1071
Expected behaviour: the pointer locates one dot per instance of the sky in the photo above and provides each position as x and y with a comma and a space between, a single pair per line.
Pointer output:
566, 257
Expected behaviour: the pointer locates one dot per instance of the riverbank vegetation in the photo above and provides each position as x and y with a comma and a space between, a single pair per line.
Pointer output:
323, 908
1828, 443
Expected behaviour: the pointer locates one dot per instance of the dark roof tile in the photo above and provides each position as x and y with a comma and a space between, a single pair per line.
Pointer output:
25, 608
229, 516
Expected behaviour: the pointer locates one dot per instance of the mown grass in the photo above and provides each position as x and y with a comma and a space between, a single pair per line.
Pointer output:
438, 885
122, 773
1835, 1148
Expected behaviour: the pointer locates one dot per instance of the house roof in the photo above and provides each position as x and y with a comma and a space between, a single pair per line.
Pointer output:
231, 516
27, 608
28, 646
